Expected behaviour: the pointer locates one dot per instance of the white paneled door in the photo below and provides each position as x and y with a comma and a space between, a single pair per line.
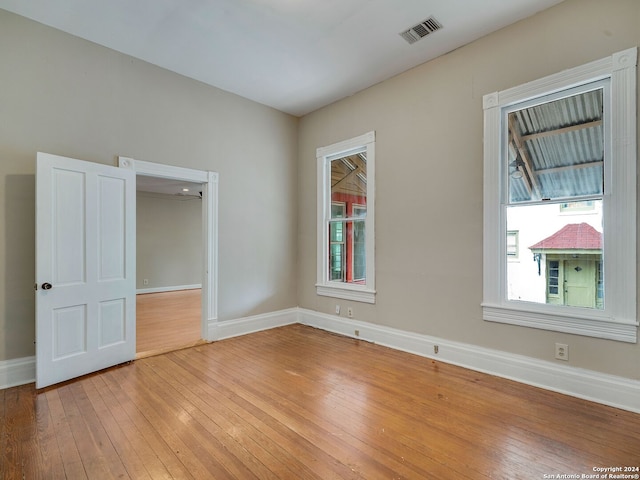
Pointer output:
85, 267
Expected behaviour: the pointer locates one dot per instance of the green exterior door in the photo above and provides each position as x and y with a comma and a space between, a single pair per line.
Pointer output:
579, 283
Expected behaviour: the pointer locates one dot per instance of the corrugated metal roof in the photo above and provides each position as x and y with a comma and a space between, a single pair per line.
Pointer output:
562, 143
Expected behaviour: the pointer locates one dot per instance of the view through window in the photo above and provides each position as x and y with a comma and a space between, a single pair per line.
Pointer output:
346, 219
347, 259
559, 201
554, 165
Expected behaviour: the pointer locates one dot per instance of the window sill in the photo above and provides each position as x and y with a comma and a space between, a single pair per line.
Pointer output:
580, 325
354, 293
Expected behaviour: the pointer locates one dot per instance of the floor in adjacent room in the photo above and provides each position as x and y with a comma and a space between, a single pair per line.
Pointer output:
167, 321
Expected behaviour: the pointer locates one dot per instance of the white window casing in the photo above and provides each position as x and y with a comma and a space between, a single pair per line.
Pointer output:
617, 320
361, 291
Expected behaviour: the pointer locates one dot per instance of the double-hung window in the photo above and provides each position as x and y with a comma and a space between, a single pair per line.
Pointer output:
337, 250
560, 170
512, 244
346, 175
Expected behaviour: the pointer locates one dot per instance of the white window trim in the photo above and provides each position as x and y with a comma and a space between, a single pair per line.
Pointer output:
353, 256
344, 240
355, 292
618, 320
515, 257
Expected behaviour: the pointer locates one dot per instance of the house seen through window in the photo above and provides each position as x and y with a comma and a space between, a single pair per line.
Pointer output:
554, 163
559, 247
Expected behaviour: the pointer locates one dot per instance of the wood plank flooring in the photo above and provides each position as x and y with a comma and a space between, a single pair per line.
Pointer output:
299, 403
167, 321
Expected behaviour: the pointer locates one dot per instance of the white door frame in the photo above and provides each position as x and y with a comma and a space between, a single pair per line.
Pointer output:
209, 227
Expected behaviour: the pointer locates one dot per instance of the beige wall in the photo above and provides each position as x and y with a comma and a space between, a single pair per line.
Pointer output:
168, 240
428, 124
69, 97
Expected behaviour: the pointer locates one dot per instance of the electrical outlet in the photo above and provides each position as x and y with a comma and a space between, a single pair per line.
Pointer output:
337, 309
356, 333
562, 351
349, 312
145, 281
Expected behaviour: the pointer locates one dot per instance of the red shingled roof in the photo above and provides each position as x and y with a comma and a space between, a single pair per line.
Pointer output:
575, 236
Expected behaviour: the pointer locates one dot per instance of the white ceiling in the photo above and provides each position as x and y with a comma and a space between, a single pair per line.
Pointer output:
293, 55
165, 186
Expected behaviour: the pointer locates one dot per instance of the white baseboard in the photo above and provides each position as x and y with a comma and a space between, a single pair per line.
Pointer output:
597, 387
174, 288
20, 371
232, 328
17, 371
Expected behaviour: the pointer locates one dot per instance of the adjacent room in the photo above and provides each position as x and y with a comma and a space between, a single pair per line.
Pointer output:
168, 264
309, 240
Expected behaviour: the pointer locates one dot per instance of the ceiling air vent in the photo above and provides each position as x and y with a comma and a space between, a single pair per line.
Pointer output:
421, 30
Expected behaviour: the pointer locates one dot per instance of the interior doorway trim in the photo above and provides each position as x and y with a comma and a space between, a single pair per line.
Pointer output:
209, 227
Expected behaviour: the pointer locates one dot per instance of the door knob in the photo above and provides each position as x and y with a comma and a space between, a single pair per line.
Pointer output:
47, 286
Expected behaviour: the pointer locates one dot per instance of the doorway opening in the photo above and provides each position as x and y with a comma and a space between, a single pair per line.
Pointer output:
174, 309
168, 264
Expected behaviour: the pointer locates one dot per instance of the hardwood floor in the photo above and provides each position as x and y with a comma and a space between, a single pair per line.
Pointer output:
167, 321
299, 403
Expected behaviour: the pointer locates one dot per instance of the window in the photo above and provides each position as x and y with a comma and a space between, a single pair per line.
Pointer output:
553, 277
345, 219
359, 259
560, 186
337, 251
512, 244
572, 207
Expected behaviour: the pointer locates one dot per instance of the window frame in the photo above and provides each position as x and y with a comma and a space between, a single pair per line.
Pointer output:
574, 208
515, 256
353, 242
343, 243
617, 321
359, 292
558, 275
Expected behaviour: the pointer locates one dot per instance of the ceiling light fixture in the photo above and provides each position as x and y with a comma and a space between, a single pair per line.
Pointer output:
517, 171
